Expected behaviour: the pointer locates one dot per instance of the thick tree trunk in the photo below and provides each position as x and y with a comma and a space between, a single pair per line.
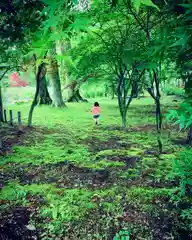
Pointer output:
54, 79
76, 97
57, 100
61, 48
189, 136
72, 93
1, 105
43, 92
40, 74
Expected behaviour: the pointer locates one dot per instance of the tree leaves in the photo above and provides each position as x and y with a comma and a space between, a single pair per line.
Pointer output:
149, 3
182, 40
137, 4
182, 116
80, 23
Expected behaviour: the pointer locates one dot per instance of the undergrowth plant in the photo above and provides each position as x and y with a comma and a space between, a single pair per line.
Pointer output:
182, 170
183, 117
122, 235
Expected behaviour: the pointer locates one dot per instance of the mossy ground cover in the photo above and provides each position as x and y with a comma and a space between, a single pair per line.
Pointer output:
68, 179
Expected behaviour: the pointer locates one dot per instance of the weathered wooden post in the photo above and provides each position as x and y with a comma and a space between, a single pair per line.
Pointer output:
5, 116
11, 117
19, 121
19, 118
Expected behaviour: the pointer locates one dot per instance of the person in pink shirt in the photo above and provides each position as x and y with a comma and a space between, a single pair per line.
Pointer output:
96, 112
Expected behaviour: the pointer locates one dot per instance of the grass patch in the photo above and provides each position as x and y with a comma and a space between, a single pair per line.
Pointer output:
82, 181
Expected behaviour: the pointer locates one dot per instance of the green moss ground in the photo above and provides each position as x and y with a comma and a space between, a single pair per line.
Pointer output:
82, 181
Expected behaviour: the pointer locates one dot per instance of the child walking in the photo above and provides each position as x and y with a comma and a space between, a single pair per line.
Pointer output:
96, 112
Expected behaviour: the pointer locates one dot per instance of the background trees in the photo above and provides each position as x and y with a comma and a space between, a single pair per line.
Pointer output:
66, 170
126, 43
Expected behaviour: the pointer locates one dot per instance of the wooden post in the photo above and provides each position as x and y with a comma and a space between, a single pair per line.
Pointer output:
11, 117
5, 116
19, 118
19, 122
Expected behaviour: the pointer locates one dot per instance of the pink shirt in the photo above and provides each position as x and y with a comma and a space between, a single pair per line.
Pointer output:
96, 110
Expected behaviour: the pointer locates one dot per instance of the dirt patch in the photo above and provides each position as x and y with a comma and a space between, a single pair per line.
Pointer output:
11, 136
129, 161
14, 224
180, 142
161, 184
151, 152
143, 128
63, 174
96, 145
159, 224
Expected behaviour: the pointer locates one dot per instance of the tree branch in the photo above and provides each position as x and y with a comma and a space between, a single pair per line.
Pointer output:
8, 68
4, 74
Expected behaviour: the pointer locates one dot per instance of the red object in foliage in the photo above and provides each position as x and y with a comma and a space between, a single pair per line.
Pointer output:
16, 81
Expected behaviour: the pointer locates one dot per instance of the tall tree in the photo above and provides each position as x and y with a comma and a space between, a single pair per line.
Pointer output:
44, 97
41, 72
112, 42
54, 78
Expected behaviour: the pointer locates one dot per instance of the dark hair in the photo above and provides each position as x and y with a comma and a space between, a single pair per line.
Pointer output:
96, 104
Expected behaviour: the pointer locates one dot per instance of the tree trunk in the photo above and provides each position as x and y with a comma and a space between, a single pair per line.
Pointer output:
61, 48
158, 111
189, 136
1, 101
188, 84
43, 92
159, 124
124, 120
53, 75
1, 105
57, 100
122, 98
76, 96
54, 79
40, 74
72, 93
113, 94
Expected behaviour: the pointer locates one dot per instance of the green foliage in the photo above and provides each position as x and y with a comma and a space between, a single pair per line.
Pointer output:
13, 192
122, 235
182, 169
73, 205
147, 195
93, 89
76, 204
182, 116
138, 3
173, 90
186, 216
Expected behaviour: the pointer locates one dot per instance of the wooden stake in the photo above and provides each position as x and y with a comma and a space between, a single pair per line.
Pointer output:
11, 117
19, 121
5, 116
19, 118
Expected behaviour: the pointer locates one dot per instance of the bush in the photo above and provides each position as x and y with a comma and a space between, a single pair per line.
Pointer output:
182, 170
172, 90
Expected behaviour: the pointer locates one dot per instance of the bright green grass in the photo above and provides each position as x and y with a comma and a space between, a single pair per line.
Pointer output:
70, 129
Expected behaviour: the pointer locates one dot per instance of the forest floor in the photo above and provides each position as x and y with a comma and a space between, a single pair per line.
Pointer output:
66, 178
